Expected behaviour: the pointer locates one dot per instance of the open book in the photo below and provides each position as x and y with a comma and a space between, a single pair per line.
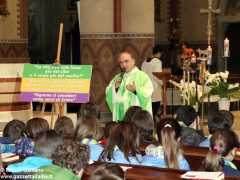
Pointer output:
7, 157
203, 175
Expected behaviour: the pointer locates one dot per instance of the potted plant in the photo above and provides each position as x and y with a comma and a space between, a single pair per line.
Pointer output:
218, 85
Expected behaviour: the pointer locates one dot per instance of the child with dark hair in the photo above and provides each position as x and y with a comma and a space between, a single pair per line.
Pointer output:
130, 112
144, 121
64, 126
90, 132
69, 159
219, 120
25, 145
168, 154
187, 117
45, 144
106, 170
88, 109
11, 132
35, 126
108, 128
222, 151
107, 131
123, 144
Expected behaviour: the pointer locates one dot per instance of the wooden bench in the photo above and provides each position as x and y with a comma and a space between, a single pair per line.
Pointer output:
195, 156
144, 172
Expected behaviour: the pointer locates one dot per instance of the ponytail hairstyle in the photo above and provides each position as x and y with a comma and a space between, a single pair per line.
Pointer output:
222, 142
168, 131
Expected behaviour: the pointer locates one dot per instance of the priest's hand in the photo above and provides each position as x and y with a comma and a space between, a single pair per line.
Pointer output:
131, 87
118, 82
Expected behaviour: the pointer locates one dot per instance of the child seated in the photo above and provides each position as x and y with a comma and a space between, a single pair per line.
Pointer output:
122, 145
64, 126
130, 112
144, 121
169, 153
69, 159
90, 132
222, 151
187, 117
25, 145
219, 120
11, 132
88, 109
45, 144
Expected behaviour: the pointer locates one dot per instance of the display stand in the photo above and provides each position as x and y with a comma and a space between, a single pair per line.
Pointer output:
165, 77
225, 57
57, 107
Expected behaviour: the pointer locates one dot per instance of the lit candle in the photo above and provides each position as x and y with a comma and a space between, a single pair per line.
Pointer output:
226, 47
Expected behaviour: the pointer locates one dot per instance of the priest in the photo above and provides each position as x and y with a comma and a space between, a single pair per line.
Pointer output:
131, 87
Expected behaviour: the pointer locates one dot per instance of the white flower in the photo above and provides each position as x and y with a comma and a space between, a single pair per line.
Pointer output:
207, 73
211, 78
231, 86
224, 75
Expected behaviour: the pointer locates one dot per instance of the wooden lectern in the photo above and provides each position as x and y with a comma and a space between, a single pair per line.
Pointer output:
164, 76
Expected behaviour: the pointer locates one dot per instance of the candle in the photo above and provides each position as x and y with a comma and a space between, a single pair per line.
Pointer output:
209, 55
193, 58
226, 47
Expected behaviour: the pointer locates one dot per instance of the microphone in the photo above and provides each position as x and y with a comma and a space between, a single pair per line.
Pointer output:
122, 73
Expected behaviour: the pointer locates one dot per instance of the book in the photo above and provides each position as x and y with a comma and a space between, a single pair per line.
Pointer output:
203, 175
7, 157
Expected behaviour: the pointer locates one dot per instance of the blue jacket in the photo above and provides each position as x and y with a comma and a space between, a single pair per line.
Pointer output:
230, 169
155, 157
118, 157
205, 143
95, 148
6, 140
30, 164
95, 151
149, 160
7, 148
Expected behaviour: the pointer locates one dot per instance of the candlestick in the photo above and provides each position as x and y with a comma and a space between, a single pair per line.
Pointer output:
226, 48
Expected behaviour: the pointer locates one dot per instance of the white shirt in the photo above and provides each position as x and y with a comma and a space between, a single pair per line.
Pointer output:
155, 65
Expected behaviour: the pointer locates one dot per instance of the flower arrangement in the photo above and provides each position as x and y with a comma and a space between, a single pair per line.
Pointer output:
193, 92
218, 85
214, 84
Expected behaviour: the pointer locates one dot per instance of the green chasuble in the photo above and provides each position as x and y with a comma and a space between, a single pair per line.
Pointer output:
121, 100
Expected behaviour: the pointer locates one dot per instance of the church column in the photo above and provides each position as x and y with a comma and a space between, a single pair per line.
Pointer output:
117, 16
